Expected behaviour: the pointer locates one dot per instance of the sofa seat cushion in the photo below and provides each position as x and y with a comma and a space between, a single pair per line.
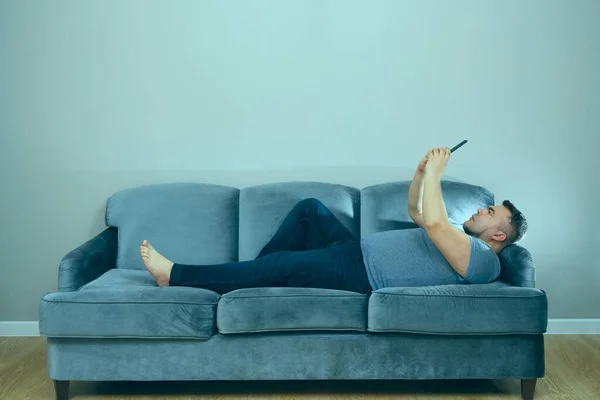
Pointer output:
494, 308
291, 309
128, 304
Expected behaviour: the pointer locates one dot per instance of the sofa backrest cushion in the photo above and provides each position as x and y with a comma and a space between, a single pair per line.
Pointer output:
385, 206
190, 223
263, 208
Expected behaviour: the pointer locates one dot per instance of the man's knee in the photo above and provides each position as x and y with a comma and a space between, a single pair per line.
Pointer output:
311, 201
312, 204
314, 201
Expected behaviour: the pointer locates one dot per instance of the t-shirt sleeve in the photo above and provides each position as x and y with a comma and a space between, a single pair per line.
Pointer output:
484, 265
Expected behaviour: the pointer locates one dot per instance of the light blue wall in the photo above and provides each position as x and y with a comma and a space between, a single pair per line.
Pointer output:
96, 96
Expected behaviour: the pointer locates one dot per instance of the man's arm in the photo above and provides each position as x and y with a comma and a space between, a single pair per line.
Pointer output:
453, 243
415, 198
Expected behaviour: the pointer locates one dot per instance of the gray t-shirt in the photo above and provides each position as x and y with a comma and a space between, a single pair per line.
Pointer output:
408, 257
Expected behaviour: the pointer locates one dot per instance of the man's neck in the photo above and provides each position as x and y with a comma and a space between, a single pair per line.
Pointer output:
497, 247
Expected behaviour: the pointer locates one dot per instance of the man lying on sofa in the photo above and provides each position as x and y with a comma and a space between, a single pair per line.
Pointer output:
312, 248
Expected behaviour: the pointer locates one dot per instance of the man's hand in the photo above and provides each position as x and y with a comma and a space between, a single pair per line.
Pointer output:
437, 160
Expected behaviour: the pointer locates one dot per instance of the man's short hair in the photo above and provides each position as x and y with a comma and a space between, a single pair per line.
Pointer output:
517, 226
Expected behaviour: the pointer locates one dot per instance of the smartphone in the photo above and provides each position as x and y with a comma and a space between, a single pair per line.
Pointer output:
458, 146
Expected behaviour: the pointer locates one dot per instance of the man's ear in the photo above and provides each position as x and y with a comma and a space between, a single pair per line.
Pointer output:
499, 237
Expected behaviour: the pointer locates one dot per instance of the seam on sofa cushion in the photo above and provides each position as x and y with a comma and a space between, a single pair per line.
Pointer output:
294, 330
294, 295
485, 333
129, 302
462, 296
125, 336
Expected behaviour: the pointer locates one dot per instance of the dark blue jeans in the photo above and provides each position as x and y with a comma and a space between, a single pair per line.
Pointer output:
311, 248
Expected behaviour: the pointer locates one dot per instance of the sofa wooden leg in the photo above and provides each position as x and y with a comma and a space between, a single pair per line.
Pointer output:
528, 388
62, 390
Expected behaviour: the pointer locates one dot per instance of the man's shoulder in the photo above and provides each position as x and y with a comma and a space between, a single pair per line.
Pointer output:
483, 253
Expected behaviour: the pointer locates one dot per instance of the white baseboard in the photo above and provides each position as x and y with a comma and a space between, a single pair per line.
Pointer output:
555, 327
574, 327
19, 328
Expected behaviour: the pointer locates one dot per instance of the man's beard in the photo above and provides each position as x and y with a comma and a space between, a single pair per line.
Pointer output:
470, 232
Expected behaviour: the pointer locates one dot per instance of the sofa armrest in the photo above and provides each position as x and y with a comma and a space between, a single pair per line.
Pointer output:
88, 261
517, 266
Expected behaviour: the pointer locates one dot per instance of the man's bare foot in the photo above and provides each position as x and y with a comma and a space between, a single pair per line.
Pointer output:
158, 265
